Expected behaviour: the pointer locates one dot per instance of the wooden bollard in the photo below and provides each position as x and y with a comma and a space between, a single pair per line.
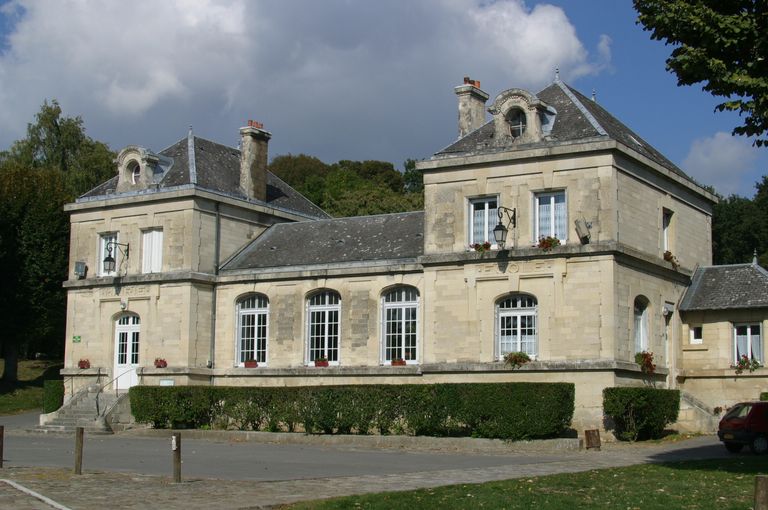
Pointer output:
79, 451
2, 439
761, 492
176, 448
592, 439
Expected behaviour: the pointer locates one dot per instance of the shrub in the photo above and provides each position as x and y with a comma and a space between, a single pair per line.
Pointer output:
640, 413
53, 395
764, 395
504, 410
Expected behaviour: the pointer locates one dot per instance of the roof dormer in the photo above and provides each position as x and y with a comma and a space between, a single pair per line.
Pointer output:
139, 168
520, 117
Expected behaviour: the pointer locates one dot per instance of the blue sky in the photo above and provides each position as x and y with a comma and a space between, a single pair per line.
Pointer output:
343, 79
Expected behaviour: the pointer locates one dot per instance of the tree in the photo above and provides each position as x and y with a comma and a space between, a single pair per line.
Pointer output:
351, 188
414, 179
721, 43
53, 165
740, 228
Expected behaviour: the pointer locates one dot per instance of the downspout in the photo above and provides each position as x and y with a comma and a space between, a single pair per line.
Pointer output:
217, 246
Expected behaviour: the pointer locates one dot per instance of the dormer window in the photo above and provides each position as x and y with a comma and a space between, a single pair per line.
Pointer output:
134, 169
517, 122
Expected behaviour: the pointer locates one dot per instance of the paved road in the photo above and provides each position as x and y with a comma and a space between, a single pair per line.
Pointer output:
123, 472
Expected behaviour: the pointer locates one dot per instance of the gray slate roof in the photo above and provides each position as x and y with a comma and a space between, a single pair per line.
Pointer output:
217, 168
335, 241
727, 287
578, 119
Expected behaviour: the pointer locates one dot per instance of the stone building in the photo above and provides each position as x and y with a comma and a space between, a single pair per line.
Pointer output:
198, 256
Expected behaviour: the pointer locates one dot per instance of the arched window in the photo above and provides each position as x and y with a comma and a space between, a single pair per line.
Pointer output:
516, 328
399, 322
135, 170
641, 323
323, 312
252, 323
517, 122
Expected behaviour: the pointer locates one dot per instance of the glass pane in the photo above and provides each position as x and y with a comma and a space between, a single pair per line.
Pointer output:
560, 216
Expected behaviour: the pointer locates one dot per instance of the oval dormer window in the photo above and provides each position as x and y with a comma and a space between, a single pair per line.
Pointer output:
135, 170
517, 122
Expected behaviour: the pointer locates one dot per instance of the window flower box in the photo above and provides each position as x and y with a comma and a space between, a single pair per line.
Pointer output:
250, 363
321, 362
399, 362
160, 363
83, 364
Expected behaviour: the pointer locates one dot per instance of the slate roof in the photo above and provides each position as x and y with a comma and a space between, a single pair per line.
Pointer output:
335, 241
727, 287
216, 168
578, 119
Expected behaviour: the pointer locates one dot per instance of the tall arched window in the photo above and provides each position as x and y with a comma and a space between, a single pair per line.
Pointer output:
641, 323
252, 323
399, 324
323, 312
516, 328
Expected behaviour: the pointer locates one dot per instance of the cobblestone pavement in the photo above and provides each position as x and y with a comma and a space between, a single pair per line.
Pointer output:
99, 490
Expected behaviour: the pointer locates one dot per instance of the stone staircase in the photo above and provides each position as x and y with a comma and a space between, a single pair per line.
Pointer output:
95, 415
695, 416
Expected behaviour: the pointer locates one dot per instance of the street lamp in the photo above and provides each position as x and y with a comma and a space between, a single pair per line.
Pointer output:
109, 260
500, 231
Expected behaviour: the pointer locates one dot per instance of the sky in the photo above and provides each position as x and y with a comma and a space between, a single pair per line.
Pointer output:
347, 79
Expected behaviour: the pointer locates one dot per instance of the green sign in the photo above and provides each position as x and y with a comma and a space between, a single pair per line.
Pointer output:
76, 339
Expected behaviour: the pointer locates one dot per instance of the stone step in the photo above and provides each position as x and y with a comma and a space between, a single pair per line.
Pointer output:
66, 429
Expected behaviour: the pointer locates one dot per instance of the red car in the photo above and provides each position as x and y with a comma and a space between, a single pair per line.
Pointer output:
745, 424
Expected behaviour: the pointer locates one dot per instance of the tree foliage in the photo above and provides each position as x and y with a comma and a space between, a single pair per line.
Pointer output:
740, 228
722, 44
54, 164
352, 188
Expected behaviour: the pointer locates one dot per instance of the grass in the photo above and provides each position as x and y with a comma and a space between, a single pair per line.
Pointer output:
27, 393
722, 483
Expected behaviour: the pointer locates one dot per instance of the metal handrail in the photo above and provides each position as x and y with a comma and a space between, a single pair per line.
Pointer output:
101, 389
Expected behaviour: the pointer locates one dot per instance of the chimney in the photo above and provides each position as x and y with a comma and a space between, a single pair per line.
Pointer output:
471, 106
253, 160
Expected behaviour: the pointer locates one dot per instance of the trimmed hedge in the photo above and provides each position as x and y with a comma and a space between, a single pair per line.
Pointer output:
764, 395
640, 413
504, 410
53, 395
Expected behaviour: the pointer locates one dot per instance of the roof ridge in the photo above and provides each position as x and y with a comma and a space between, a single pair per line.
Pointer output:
299, 193
191, 157
583, 109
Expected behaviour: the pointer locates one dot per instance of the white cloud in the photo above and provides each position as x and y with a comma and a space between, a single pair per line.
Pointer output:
723, 161
336, 79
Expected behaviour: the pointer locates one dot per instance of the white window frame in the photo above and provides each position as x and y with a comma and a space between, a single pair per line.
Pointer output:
538, 200
400, 311
152, 250
324, 311
252, 314
525, 308
640, 324
694, 338
104, 239
750, 341
490, 219
666, 222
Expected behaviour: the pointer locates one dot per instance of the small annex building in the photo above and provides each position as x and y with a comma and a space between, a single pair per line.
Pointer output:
198, 256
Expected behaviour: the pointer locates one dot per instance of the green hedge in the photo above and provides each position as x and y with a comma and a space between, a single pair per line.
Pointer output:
53, 395
506, 410
764, 395
640, 413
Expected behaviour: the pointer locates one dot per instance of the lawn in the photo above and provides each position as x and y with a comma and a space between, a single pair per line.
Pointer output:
722, 484
27, 393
